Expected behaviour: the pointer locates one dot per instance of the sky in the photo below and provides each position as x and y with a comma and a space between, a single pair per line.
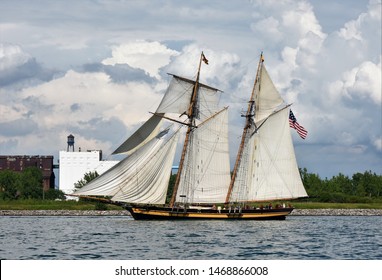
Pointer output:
95, 68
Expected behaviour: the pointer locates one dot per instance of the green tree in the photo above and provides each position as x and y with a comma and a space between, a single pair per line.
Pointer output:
53, 194
31, 183
170, 188
312, 182
372, 187
9, 184
340, 184
358, 184
88, 176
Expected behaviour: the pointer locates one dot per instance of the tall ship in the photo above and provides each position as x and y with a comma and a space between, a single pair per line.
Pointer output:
265, 168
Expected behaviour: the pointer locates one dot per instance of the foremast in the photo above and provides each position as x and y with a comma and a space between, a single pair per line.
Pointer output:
191, 124
251, 110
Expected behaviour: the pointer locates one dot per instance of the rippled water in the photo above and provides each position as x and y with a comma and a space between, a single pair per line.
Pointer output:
116, 237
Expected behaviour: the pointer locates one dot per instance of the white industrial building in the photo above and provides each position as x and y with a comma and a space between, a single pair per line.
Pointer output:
74, 165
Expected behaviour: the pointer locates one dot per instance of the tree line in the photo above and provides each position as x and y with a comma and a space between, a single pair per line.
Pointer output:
27, 184
361, 187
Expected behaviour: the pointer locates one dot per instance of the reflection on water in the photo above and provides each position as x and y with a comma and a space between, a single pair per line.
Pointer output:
119, 237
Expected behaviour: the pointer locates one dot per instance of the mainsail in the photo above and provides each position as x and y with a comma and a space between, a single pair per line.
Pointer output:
266, 167
206, 174
141, 177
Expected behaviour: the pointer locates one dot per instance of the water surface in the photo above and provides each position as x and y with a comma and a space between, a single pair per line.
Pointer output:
121, 237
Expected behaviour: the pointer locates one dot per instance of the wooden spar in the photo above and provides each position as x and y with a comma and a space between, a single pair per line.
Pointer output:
274, 113
101, 199
173, 120
211, 117
191, 123
249, 120
200, 85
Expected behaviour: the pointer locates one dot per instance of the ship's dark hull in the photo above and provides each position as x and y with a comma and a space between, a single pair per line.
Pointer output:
167, 213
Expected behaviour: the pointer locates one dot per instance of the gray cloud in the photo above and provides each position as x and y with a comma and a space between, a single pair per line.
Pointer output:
19, 69
75, 107
109, 130
119, 73
28, 73
18, 127
35, 105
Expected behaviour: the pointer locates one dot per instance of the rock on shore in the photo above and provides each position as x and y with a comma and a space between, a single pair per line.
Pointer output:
337, 212
63, 213
296, 212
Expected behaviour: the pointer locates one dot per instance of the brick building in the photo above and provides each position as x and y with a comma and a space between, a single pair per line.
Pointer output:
19, 163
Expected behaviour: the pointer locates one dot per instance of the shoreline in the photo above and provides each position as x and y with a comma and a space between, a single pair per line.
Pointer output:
296, 212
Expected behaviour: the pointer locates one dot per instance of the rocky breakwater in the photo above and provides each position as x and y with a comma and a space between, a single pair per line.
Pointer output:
337, 212
63, 213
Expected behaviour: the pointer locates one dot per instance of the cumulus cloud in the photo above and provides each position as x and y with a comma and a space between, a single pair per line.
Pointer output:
86, 104
378, 144
76, 96
119, 73
220, 72
288, 21
355, 29
148, 56
363, 81
293, 53
353, 76
19, 67
333, 80
12, 56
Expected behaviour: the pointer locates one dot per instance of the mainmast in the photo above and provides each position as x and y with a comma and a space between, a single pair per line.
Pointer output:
252, 106
191, 125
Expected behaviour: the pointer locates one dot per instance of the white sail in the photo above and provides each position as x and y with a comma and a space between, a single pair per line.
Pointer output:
144, 134
176, 100
178, 96
272, 172
268, 98
267, 168
141, 177
206, 175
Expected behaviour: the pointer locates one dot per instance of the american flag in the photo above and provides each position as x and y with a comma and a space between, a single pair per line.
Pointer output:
294, 124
